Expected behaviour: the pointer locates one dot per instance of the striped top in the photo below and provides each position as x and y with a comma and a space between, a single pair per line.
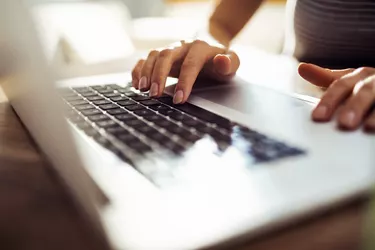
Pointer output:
332, 33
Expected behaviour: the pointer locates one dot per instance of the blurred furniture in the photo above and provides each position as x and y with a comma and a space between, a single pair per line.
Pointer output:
36, 212
82, 35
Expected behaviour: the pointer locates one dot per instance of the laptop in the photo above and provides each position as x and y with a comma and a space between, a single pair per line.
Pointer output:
236, 161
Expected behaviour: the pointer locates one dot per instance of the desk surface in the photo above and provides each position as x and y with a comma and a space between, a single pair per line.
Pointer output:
36, 213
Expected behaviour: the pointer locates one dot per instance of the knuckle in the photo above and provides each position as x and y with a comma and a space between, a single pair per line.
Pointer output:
199, 43
165, 53
343, 84
153, 53
139, 64
366, 71
368, 87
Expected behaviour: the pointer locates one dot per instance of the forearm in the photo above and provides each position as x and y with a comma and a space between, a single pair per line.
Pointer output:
229, 17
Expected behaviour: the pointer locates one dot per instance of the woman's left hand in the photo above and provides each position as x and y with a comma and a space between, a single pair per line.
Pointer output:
350, 93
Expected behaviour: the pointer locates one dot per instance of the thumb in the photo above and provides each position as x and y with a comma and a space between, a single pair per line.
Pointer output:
319, 76
226, 65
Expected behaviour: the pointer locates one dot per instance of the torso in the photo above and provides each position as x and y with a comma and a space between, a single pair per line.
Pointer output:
332, 33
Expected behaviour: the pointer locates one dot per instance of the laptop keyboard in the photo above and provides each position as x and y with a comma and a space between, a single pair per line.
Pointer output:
132, 125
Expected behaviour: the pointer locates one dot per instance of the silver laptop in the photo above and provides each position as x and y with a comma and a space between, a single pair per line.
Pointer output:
234, 162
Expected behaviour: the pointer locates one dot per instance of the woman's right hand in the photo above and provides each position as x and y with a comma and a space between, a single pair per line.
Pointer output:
187, 61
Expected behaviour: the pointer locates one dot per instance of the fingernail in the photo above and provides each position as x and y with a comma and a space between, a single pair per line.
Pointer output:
348, 119
154, 90
178, 97
143, 83
320, 112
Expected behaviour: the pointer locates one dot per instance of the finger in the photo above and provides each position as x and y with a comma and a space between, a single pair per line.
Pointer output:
163, 67
136, 73
147, 69
199, 54
358, 105
223, 66
369, 125
337, 93
319, 76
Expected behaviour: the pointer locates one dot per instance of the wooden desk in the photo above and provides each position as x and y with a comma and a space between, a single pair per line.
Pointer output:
36, 213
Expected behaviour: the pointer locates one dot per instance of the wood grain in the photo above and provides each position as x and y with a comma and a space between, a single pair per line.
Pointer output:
36, 213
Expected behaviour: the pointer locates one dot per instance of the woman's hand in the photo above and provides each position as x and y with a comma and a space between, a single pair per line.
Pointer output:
186, 61
350, 93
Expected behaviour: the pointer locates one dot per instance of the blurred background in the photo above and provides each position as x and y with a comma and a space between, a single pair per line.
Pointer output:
81, 37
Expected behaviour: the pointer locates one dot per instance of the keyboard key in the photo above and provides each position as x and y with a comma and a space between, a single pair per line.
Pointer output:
82, 89
150, 102
140, 98
153, 118
107, 124
100, 117
164, 123
116, 130
112, 95
78, 102
253, 136
204, 129
178, 116
190, 137
76, 119
160, 107
126, 102
146, 130
108, 106
134, 107
140, 147
84, 107
144, 112
128, 138
166, 112
102, 140
89, 112
190, 122
117, 111
89, 94
105, 91
175, 129
173, 146
127, 92
113, 86
91, 132
94, 98
135, 123
119, 98
126, 117
159, 137
83, 125
99, 87
101, 102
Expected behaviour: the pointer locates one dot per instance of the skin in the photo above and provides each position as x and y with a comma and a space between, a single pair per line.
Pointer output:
350, 93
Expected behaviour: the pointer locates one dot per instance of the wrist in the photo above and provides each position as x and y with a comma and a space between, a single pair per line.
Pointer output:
206, 35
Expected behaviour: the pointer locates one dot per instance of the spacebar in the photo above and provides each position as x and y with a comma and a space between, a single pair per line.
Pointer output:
198, 112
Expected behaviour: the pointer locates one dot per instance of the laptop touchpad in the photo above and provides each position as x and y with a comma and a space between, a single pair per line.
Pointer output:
249, 99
